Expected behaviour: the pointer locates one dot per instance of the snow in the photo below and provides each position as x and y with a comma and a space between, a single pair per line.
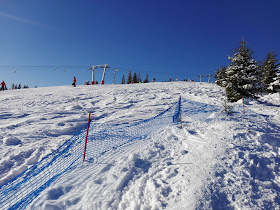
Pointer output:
213, 161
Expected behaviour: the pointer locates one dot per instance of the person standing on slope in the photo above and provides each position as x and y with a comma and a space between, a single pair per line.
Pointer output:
3, 86
74, 82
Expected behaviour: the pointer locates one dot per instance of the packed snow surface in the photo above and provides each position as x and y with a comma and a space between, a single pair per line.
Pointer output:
210, 161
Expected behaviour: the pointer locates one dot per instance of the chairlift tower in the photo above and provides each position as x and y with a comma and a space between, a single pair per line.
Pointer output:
209, 77
200, 77
105, 66
92, 77
115, 75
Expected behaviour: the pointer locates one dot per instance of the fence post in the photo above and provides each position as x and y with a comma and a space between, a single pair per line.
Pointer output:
243, 105
177, 115
180, 112
86, 138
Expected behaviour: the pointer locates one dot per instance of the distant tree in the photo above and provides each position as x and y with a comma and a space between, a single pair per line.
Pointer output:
19, 86
221, 76
134, 78
242, 75
270, 76
25, 86
129, 79
123, 79
139, 77
146, 79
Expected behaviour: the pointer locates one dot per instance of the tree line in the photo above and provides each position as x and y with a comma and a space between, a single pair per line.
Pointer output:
134, 78
246, 77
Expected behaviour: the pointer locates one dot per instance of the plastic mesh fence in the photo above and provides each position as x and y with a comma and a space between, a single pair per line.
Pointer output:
103, 138
20, 191
196, 110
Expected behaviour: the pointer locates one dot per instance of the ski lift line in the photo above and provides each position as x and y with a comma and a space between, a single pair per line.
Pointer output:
46, 66
164, 73
40, 68
88, 67
177, 74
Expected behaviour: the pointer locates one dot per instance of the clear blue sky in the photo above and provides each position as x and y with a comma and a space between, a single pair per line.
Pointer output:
163, 38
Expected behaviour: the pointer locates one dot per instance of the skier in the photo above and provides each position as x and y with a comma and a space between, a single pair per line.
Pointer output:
3, 86
74, 82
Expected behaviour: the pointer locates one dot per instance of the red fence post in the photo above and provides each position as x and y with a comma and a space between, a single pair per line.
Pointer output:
86, 138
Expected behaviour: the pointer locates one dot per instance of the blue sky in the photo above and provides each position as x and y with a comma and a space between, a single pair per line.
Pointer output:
46, 43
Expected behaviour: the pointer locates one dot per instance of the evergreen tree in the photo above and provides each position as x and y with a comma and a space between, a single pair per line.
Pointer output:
129, 79
146, 79
221, 76
134, 78
242, 75
276, 83
270, 73
123, 79
139, 77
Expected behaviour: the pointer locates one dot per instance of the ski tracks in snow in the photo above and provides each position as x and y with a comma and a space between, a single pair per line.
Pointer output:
167, 170
247, 177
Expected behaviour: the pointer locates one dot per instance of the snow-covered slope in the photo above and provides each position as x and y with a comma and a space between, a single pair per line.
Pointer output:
212, 161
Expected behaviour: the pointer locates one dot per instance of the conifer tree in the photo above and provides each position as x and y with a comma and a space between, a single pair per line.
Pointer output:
129, 79
220, 76
139, 77
146, 79
123, 79
270, 73
242, 75
135, 79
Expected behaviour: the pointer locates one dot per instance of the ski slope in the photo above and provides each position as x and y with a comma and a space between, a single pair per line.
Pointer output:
212, 161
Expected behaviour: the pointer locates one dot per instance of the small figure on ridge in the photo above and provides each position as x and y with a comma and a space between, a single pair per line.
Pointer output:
3, 86
74, 82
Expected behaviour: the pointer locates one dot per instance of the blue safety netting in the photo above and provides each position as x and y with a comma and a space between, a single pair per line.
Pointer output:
20, 191
197, 110
102, 138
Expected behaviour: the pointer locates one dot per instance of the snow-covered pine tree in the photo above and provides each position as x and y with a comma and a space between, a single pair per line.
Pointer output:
242, 75
276, 83
220, 76
129, 79
270, 73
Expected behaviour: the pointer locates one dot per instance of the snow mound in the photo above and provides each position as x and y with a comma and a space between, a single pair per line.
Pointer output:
12, 141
